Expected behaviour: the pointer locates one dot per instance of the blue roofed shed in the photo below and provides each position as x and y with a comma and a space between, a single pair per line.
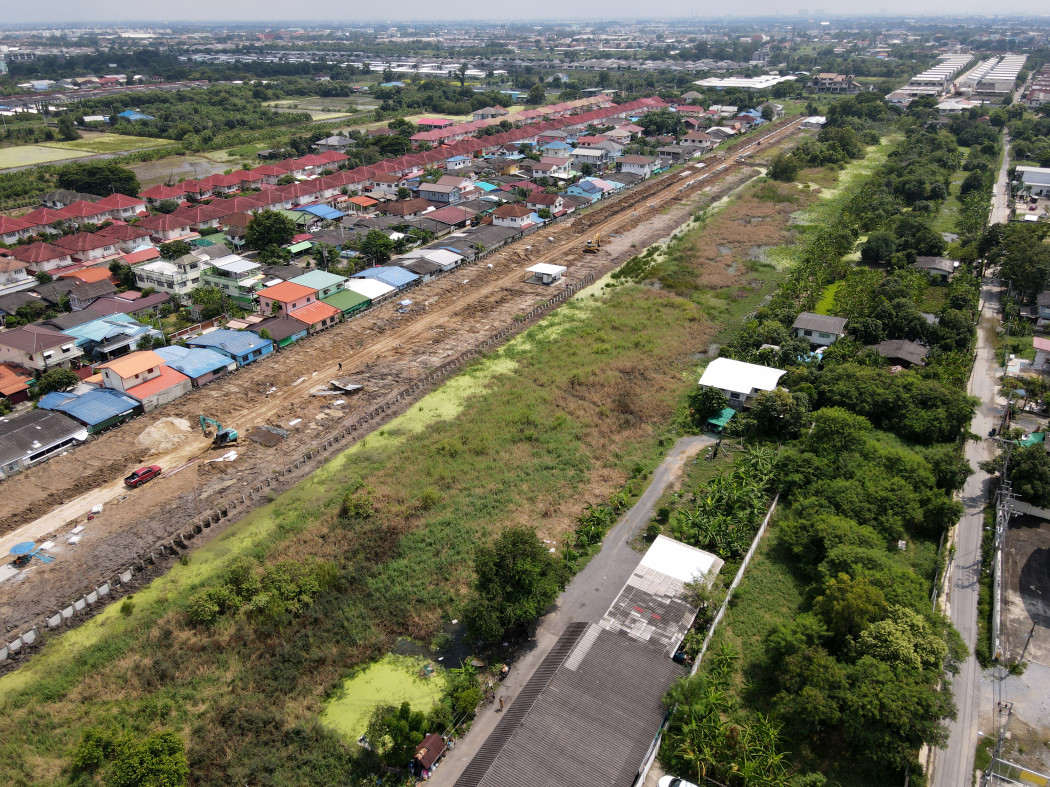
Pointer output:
198, 363
322, 212
242, 346
99, 409
131, 114
325, 283
108, 337
392, 275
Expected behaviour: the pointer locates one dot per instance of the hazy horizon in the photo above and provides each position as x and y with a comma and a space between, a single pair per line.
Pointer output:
262, 12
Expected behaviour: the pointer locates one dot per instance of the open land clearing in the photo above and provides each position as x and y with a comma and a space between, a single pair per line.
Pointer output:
383, 350
555, 418
90, 143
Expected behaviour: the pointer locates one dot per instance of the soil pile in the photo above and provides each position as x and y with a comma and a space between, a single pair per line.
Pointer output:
164, 435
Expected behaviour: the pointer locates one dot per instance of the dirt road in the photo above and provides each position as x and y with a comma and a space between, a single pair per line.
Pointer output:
383, 350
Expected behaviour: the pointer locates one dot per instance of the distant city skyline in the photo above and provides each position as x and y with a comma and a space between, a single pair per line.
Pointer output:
63, 12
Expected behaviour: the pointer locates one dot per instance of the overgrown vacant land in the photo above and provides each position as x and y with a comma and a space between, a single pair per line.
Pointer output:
235, 652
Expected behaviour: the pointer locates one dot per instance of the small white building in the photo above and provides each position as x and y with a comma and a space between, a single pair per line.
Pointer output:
821, 330
1037, 178
545, 273
739, 381
815, 122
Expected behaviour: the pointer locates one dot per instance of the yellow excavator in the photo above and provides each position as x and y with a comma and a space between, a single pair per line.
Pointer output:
594, 245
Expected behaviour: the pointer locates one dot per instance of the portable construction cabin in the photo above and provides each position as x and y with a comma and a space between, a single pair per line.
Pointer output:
545, 273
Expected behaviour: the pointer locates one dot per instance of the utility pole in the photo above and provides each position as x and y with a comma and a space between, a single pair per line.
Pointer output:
1004, 707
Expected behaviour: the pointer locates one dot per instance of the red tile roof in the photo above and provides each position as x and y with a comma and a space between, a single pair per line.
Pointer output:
8, 225
163, 223
168, 378
38, 252
119, 202
314, 312
144, 255
83, 241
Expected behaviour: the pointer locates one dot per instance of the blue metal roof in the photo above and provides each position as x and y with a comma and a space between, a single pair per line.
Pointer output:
393, 275
107, 328
323, 211
193, 361
91, 408
131, 114
233, 342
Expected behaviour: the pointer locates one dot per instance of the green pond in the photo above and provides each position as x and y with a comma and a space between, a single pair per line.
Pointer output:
390, 681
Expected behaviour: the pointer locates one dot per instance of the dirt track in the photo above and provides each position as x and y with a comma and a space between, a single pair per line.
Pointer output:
383, 350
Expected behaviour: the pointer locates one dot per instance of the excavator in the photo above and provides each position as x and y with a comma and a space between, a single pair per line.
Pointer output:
594, 245
222, 436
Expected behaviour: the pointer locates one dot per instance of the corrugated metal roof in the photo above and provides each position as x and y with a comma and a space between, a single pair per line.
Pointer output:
369, 288
318, 280
26, 434
92, 408
233, 342
393, 275
323, 211
193, 361
347, 300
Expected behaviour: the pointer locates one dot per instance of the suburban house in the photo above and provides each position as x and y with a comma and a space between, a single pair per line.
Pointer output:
235, 277
121, 206
84, 212
282, 330
322, 282
14, 382
675, 154
516, 216
901, 352
14, 275
699, 140
488, 113
176, 277
244, 347
87, 246
42, 257
38, 348
126, 237
821, 330
97, 409
437, 192
338, 143
938, 268
83, 295
166, 228
318, 315
13, 230
387, 184
197, 363
160, 193
638, 165
143, 376
593, 156
739, 381
833, 83
109, 337
540, 200
34, 436
284, 298
585, 189
406, 208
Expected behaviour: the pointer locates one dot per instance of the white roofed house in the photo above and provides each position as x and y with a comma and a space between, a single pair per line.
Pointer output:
1037, 179
821, 330
740, 381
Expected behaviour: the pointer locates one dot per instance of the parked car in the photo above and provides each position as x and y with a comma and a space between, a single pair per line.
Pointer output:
674, 781
142, 475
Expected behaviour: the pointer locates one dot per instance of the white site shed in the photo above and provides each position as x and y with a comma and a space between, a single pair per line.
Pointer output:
740, 381
545, 273
815, 122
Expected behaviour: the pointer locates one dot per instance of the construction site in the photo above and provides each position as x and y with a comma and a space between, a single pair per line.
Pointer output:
290, 412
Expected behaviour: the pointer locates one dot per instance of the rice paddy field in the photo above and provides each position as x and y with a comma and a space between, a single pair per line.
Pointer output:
90, 143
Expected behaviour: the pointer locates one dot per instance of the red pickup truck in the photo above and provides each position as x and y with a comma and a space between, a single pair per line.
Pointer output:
142, 475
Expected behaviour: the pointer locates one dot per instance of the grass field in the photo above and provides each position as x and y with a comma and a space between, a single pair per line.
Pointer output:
90, 143
27, 155
109, 143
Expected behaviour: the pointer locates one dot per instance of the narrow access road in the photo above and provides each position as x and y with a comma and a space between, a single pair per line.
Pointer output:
587, 598
953, 765
1001, 190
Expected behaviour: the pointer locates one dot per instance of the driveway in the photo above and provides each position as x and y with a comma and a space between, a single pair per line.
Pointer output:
586, 599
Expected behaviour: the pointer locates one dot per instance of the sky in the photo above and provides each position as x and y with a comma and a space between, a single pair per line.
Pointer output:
211, 11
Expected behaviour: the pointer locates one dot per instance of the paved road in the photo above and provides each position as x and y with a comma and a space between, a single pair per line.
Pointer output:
1001, 191
953, 765
587, 598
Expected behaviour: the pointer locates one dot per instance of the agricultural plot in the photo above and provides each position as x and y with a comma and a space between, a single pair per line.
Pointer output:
28, 155
108, 143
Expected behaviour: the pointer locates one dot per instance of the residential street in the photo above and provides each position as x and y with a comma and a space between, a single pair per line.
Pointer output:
586, 599
953, 765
